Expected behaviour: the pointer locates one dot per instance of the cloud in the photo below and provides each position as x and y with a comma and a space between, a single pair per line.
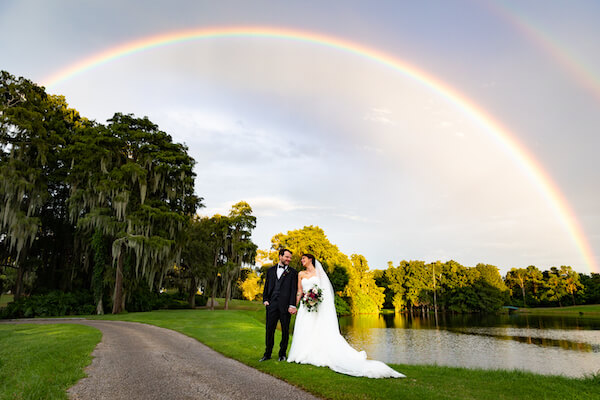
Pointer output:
356, 218
379, 115
370, 149
223, 137
267, 206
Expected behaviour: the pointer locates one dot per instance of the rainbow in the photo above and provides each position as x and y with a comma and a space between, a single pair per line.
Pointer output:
575, 69
503, 136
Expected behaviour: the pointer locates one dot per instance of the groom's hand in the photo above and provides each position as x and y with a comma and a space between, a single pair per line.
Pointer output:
292, 310
266, 303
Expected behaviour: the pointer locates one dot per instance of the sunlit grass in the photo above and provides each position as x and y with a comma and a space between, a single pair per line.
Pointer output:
43, 361
239, 334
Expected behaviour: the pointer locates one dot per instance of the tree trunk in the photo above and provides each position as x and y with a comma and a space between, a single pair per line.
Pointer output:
523, 290
214, 291
99, 307
118, 295
19, 283
227, 294
192, 293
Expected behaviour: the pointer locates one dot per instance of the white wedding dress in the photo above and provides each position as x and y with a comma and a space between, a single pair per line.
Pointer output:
317, 339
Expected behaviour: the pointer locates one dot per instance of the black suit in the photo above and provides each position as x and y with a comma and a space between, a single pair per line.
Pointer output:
281, 294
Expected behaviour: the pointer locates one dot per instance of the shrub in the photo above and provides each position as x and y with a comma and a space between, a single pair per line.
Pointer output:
341, 306
53, 304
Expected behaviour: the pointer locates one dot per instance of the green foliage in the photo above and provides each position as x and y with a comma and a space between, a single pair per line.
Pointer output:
101, 264
141, 298
43, 361
448, 286
74, 191
310, 239
532, 287
35, 130
341, 306
178, 300
53, 304
339, 278
365, 296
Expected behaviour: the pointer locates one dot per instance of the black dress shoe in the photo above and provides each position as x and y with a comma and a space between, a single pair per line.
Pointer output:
265, 358
281, 358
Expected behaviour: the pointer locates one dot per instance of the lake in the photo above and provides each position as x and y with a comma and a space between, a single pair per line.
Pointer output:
550, 345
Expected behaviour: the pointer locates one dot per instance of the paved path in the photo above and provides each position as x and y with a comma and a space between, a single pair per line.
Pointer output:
139, 361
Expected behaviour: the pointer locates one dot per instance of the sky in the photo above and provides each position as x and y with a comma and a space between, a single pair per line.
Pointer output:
390, 165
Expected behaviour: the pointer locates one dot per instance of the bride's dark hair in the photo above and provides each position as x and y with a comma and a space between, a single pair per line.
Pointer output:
312, 258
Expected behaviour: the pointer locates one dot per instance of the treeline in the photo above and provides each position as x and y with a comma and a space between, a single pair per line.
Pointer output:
415, 286
531, 287
452, 287
107, 209
419, 287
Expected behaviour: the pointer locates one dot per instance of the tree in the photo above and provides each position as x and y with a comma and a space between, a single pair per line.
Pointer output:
251, 287
196, 260
312, 239
571, 281
555, 288
137, 189
240, 248
395, 277
365, 296
537, 283
34, 129
517, 277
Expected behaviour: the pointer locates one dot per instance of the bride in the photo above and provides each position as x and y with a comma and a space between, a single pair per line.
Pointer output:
317, 339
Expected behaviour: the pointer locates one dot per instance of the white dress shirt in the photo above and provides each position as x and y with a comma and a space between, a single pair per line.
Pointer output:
280, 270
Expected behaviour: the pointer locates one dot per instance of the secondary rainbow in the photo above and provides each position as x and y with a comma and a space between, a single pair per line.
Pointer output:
502, 135
585, 77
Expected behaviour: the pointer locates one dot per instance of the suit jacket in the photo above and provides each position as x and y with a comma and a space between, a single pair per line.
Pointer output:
287, 290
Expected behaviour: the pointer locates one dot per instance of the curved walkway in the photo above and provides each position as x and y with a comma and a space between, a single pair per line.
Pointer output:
139, 361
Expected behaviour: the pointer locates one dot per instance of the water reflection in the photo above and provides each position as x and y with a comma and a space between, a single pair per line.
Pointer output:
547, 345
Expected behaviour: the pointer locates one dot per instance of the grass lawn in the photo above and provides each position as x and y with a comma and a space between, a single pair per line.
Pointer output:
591, 309
5, 299
43, 361
239, 334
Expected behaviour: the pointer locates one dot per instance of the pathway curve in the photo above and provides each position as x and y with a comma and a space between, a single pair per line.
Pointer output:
139, 361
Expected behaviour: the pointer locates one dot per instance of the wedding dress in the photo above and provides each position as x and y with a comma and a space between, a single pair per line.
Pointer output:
317, 339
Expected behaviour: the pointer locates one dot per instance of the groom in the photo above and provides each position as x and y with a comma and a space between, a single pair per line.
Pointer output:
279, 297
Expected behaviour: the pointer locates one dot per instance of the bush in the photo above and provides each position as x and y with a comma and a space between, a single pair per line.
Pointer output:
201, 300
142, 299
53, 304
177, 300
341, 306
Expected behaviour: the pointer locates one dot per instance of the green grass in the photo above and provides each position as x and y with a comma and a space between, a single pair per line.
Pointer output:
592, 309
239, 334
43, 361
5, 299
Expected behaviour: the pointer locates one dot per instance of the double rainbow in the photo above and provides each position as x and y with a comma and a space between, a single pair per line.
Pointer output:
502, 135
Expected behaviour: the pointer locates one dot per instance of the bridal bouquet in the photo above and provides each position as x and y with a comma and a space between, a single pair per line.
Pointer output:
312, 297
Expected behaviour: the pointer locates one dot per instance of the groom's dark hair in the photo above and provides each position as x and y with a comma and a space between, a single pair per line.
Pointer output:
282, 252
